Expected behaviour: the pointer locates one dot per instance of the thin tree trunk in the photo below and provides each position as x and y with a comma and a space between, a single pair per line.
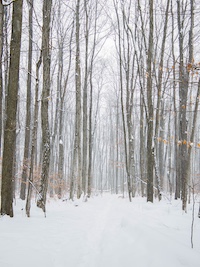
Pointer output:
90, 139
117, 150
176, 149
91, 132
76, 162
150, 155
85, 104
34, 139
142, 148
26, 160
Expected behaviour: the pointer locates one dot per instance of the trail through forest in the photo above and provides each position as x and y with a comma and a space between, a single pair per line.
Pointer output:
105, 231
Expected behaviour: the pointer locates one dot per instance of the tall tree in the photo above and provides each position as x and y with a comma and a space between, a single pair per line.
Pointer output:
33, 139
11, 110
47, 5
76, 161
26, 160
150, 156
85, 101
183, 92
183, 95
1, 75
124, 109
158, 153
90, 113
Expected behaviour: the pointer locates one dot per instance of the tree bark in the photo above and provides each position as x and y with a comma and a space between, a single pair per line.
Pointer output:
1, 75
183, 94
11, 110
158, 156
33, 139
76, 161
41, 202
26, 160
85, 104
150, 156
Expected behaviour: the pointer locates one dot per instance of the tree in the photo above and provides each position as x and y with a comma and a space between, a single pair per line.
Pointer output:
85, 102
26, 160
11, 110
150, 151
76, 161
158, 153
33, 139
1, 75
125, 109
185, 180
46, 57
184, 77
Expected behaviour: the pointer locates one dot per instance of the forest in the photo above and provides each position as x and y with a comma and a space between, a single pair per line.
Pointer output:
99, 96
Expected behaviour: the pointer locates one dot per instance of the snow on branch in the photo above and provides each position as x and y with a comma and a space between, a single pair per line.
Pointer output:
4, 2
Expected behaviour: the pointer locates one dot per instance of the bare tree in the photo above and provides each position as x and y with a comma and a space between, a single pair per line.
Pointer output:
158, 153
183, 95
47, 5
85, 101
33, 139
76, 161
150, 150
1, 75
26, 160
125, 115
11, 109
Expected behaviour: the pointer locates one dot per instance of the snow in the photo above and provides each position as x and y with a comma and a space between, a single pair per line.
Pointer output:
60, 142
105, 231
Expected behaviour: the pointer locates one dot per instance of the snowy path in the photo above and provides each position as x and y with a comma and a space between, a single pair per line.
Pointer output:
103, 232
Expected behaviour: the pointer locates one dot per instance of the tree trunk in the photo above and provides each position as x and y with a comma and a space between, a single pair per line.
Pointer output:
1, 75
183, 94
34, 139
90, 140
47, 4
11, 110
158, 156
142, 148
150, 156
91, 132
76, 162
26, 160
85, 104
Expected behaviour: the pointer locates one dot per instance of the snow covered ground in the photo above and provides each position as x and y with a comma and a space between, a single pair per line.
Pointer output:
106, 231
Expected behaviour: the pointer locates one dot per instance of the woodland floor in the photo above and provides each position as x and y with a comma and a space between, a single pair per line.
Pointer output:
105, 231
